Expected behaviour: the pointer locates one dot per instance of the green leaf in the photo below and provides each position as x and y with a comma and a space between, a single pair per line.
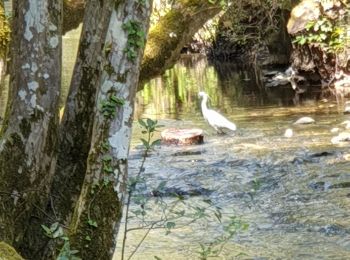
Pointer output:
323, 36
47, 230
107, 158
309, 25
302, 41
58, 233
92, 223
88, 238
142, 123
145, 143
108, 169
54, 226
156, 142
150, 122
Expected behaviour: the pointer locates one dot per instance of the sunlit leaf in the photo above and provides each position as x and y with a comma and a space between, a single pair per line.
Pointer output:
92, 223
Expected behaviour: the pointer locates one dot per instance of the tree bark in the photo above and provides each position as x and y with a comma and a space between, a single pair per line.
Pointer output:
76, 127
99, 209
77, 122
28, 138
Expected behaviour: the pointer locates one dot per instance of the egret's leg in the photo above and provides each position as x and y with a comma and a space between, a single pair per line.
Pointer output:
219, 131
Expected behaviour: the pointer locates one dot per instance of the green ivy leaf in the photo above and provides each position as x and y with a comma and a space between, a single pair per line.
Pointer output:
47, 230
92, 223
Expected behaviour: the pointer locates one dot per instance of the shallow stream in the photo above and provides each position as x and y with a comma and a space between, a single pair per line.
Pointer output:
292, 192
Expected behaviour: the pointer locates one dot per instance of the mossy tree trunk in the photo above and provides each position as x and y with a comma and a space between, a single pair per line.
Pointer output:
172, 32
75, 131
28, 137
98, 212
162, 51
76, 127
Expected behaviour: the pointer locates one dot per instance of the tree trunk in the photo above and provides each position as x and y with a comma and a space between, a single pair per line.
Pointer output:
171, 33
76, 126
98, 213
28, 138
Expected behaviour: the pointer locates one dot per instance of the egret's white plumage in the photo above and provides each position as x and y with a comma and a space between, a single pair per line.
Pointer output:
217, 121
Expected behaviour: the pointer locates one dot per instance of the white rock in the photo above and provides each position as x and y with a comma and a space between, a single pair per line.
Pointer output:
304, 120
347, 109
342, 137
288, 133
346, 123
335, 130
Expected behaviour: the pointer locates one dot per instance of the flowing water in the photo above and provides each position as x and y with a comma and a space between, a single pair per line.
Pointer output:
292, 192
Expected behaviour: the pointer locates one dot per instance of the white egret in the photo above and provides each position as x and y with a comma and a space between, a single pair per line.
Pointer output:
217, 121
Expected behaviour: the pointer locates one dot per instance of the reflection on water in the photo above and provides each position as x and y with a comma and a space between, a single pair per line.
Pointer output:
292, 192
232, 88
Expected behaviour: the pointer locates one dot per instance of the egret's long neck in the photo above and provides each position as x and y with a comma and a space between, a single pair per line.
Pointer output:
204, 104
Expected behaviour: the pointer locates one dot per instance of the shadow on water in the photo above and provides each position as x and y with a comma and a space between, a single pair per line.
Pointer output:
293, 193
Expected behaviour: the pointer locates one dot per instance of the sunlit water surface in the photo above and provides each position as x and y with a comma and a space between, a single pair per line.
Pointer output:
293, 192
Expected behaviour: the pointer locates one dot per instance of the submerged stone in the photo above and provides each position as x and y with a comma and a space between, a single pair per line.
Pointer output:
175, 192
304, 120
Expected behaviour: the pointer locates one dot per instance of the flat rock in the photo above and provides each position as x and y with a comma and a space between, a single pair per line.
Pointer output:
342, 137
301, 14
182, 136
304, 120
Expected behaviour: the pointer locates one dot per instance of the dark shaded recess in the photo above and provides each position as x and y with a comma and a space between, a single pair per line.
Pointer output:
73, 13
268, 47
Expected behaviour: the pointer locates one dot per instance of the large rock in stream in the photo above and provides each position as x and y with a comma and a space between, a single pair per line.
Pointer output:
318, 59
182, 136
